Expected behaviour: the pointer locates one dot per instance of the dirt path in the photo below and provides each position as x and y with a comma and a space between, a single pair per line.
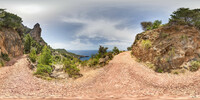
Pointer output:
123, 78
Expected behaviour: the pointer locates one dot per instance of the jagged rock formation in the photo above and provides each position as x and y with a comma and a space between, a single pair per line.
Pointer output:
168, 47
10, 42
36, 34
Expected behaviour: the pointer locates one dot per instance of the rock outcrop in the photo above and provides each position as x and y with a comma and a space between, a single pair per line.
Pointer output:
168, 47
10, 42
36, 34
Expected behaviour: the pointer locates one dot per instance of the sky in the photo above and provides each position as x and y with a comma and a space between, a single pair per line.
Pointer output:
86, 24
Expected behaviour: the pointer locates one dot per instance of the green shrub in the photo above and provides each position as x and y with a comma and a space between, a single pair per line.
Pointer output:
110, 55
11, 20
37, 46
43, 70
5, 56
115, 50
102, 50
84, 63
93, 62
45, 57
1, 63
33, 55
146, 44
145, 25
72, 70
27, 43
159, 70
155, 25
57, 58
129, 48
194, 66
185, 16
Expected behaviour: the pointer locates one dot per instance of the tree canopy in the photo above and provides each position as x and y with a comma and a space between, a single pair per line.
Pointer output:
186, 16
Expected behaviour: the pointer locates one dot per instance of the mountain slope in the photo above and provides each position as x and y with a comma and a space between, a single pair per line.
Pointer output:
65, 52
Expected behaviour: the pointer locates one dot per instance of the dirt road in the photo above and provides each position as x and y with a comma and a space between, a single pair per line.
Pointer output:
122, 78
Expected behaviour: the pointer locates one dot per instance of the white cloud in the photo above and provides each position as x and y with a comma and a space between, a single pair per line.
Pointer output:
107, 30
75, 45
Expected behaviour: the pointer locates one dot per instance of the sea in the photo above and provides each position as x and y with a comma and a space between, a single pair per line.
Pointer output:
84, 53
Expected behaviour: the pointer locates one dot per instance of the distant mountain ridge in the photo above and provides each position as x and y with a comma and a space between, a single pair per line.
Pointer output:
63, 51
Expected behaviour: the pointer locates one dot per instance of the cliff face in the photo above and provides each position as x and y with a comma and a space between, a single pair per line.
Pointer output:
10, 42
168, 47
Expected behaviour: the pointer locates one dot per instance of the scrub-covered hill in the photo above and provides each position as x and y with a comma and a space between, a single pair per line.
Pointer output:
173, 47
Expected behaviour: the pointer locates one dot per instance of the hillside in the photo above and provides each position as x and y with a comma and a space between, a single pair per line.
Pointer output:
66, 53
173, 47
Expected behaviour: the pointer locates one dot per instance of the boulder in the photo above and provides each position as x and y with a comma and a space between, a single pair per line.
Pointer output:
59, 75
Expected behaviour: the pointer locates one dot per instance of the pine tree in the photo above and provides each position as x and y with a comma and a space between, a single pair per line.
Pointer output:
33, 55
45, 57
27, 44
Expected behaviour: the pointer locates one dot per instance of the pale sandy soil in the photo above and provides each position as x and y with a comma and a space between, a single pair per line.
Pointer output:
122, 78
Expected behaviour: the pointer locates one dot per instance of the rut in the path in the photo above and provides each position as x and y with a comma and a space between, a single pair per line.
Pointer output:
123, 77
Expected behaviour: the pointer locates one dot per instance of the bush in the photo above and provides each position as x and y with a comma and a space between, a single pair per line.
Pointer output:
11, 20
159, 70
194, 66
115, 50
45, 57
93, 62
5, 56
145, 25
84, 63
27, 43
33, 55
44, 70
186, 16
129, 48
110, 55
56, 58
72, 70
155, 25
146, 44
37, 46
1, 63
102, 50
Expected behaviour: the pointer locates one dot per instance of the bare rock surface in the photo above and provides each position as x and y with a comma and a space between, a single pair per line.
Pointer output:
10, 42
36, 34
122, 78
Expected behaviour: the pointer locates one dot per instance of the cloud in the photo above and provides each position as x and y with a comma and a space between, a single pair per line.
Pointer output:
75, 45
103, 30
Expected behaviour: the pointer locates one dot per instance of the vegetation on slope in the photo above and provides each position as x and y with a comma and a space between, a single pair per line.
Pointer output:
68, 54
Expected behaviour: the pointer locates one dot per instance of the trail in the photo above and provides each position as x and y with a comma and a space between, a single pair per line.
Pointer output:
122, 78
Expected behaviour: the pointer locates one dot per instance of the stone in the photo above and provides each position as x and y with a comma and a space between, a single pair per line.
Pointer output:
59, 75
102, 60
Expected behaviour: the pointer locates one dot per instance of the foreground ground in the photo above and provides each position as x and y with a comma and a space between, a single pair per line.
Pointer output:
122, 78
